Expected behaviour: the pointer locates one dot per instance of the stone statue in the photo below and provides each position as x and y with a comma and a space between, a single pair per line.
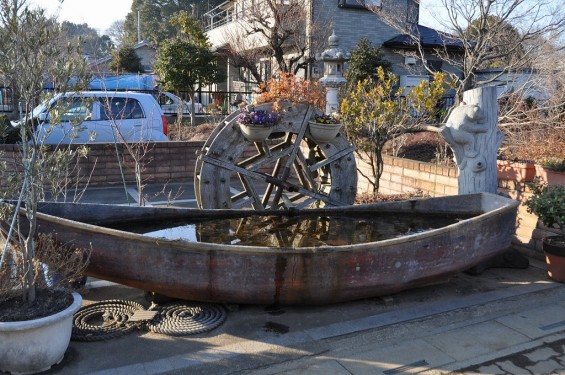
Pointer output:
461, 129
471, 130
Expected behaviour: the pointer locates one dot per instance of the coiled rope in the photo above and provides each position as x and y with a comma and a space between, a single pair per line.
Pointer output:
110, 319
185, 318
105, 320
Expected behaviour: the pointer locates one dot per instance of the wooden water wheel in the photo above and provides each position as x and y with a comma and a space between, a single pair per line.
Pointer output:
289, 169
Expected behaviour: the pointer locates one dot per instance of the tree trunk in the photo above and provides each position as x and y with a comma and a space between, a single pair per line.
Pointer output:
472, 133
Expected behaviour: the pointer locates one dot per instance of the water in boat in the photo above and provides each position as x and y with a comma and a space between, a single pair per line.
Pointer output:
296, 231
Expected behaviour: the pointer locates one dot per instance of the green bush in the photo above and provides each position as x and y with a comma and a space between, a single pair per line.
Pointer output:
548, 204
554, 164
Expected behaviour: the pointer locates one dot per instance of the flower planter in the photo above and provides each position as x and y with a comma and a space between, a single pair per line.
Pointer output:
516, 171
32, 346
550, 177
554, 249
323, 133
255, 133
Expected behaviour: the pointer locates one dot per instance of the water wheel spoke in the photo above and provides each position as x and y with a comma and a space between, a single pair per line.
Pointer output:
258, 161
303, 172
332, 158
306, 203
271, 186
322, 197
240, 200
287, 203
251, 192
295, 149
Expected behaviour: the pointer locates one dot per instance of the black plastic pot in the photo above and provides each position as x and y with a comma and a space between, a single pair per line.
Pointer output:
554, 245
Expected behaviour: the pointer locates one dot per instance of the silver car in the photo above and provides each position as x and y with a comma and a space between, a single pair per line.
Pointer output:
99, 116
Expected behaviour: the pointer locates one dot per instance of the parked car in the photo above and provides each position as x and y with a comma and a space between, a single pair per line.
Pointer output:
170, 104
99, 116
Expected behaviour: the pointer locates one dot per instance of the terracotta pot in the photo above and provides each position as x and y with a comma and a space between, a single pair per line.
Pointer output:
554, 249
323, 133
33, 346
550, 177
515, 171
255, 133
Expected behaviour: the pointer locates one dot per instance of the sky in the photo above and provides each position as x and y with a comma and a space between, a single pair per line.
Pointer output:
98, 14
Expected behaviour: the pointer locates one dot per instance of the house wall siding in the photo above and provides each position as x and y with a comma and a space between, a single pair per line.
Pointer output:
350, 25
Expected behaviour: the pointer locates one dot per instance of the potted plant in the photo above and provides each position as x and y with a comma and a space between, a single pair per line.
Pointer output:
256, 125
30, 297
515, 170
34, 334
551, 171
324, 128
548, 203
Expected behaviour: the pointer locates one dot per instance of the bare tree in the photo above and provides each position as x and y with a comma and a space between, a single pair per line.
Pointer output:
481, 33
282, 30
244, 52
117, 33
33, 53
532, 114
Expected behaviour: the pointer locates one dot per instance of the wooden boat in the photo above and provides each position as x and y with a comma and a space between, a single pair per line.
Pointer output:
213, 272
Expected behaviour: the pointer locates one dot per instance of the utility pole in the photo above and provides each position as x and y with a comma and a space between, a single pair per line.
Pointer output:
138, 26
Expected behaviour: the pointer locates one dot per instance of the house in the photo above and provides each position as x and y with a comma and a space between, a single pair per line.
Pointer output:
350, 21
527, 82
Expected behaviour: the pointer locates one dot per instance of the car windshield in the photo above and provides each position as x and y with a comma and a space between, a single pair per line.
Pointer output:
37, 110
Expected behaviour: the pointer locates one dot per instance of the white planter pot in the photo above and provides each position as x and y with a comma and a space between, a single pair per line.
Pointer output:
32, 346
255, 133
323, 133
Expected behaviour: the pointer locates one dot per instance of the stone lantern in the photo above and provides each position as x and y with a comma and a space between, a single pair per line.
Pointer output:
334, 59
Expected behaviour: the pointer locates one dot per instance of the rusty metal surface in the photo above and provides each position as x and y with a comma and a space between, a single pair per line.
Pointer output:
293, 276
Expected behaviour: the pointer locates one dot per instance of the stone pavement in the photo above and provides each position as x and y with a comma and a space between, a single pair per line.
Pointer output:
548, 358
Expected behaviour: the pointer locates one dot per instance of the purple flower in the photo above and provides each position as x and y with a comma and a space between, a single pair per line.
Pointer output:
250, 116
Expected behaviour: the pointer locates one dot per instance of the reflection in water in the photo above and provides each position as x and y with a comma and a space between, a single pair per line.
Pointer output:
298, 230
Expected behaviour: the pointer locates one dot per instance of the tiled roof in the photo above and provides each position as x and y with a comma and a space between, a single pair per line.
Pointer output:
429, 38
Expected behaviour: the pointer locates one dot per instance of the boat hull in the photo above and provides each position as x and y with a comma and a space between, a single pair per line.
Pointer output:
284, 276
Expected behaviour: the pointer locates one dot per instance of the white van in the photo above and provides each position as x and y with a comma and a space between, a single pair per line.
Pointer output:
170, 104
99, 116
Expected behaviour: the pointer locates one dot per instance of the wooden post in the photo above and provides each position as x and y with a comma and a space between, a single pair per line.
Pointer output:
472, 133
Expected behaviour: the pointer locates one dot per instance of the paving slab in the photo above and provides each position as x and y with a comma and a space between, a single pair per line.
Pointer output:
537, 322
406, 358
323, 368
477, 339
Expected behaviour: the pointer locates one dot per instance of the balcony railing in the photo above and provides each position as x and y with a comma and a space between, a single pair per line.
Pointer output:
219, 16
230, 11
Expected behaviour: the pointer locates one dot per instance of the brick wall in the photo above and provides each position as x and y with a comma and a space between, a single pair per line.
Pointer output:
405, 176
106, 163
